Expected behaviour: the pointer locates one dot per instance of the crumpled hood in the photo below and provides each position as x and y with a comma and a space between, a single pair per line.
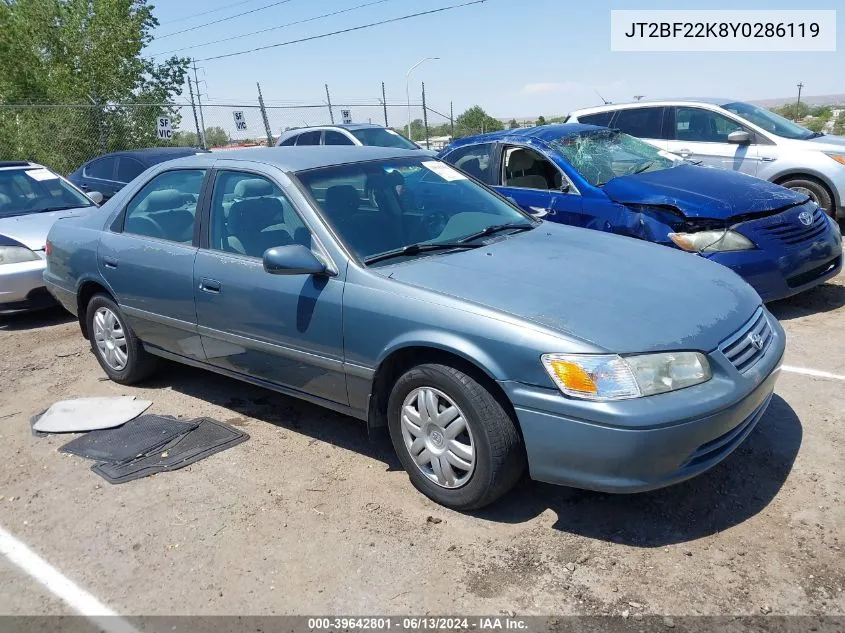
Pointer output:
31, 230
622, 294
702, 192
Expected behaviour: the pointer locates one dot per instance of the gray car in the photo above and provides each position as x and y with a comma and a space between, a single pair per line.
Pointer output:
735, 135
393, 288
31, 198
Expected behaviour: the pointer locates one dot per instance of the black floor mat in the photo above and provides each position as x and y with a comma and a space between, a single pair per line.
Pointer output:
206, 439
137, 437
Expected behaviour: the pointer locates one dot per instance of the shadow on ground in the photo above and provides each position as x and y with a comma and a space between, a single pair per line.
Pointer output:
20, 321
732, 492
283, 411
824, 298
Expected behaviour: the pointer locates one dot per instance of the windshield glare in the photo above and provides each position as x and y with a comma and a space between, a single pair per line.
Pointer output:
36, 190
382, 137
769, 121
601, 155
381, 206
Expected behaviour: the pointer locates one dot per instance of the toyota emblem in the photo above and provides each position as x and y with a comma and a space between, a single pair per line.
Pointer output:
756, 340
806, 218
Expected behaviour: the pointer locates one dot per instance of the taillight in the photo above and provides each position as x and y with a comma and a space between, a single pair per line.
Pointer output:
47, 248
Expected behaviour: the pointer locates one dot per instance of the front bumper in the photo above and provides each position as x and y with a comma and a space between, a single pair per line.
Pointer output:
644, 443
777, 272
22, 287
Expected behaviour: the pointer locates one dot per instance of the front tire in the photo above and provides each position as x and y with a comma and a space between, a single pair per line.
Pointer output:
816, 190
457, 443
115, 345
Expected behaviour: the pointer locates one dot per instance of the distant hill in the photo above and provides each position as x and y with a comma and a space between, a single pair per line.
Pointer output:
814, 100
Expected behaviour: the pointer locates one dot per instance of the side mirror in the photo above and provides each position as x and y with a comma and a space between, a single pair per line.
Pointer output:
565, 187
96, 197
739, 137
292, 260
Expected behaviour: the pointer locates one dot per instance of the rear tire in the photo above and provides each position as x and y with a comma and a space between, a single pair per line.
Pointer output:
458, 445
816, 190
118, 350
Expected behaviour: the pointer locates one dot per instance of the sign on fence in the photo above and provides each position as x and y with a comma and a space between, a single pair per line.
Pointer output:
346, 116
165, 131
240, 121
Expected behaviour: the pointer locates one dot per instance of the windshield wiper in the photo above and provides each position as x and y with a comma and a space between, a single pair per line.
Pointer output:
642, 168
64, 208
416, 249
816, 135
496, 228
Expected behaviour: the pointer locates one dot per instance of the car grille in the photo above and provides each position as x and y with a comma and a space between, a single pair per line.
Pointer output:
791, 231
740, 349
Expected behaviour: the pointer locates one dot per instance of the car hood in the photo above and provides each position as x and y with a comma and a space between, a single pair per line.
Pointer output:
702, 192
31, 229
828, 141
621, 294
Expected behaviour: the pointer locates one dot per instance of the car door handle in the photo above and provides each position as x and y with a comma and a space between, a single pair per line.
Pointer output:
84, 187
210, 285
109, 262
768, 159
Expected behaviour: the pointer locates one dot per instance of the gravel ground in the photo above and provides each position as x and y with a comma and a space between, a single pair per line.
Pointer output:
310, 516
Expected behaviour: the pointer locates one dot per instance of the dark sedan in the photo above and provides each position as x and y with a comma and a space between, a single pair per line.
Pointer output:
109, 173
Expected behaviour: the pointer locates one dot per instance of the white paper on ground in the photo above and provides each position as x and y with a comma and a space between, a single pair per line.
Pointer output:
89, 414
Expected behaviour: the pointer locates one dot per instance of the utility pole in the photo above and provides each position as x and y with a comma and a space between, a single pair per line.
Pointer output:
194, 108
451, 121
800, 85
199, 102
384, 103
264, 116
638, 97
425, 117
329, 99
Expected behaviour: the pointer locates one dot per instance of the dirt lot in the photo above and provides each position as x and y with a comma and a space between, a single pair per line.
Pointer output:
310, 516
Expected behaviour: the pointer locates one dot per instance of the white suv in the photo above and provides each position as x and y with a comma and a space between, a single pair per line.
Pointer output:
735, 135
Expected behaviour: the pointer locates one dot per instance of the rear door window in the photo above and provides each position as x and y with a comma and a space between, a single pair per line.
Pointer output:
309, 138
102, 168
475, 160
128, 169
166, 207
336, 138
641, 122
599, 118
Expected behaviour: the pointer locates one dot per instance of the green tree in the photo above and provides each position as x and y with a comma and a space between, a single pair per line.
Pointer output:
794, 111
476, 121
541, 120
512, 124
815, 124
86, 53
216, 136
839, 126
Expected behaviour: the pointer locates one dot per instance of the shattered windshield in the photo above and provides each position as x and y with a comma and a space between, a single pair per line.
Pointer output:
601, 155
36, 190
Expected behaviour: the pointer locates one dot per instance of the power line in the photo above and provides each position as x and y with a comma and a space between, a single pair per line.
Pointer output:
274, 28
349, 30
201, 13
231, 17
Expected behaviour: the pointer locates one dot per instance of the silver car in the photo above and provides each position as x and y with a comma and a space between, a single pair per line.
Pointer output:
739, 136
31, 198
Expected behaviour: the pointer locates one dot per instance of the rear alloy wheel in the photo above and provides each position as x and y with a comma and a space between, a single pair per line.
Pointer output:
456, 441
817, 192
115, 345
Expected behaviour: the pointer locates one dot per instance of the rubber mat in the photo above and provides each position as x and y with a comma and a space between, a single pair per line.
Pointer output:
209, 437
137, 437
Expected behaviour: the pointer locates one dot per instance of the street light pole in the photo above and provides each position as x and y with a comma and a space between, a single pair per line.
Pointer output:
408, 91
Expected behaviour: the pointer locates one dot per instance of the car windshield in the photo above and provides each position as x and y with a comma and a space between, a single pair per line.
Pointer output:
408, 208
601, 155
36, 190
770, 121
382, 137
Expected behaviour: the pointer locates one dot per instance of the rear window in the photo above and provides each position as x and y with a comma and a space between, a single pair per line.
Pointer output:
640, 122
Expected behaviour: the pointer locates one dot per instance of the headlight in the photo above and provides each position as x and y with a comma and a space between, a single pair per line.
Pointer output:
16, 254
711, 241
839, 158
613, 377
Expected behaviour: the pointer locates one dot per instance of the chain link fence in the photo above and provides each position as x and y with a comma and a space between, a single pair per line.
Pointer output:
64, 137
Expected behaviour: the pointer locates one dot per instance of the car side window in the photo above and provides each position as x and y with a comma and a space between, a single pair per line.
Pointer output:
528, 169
128, 169
641, 122
698, 124
166, 206
102, 168
336, 138
599, 118
250, 213
309, 138
475, 160
289, 141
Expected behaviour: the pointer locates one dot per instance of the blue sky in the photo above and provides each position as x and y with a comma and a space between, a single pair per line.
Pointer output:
514, 58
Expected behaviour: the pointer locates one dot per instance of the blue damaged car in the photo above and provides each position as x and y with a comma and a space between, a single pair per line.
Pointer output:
776, 239
388, 286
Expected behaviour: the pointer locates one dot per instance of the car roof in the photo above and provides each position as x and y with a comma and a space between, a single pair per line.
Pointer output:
294, 159
642, 102
14, 163
342, 126
542, 132
152, 155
